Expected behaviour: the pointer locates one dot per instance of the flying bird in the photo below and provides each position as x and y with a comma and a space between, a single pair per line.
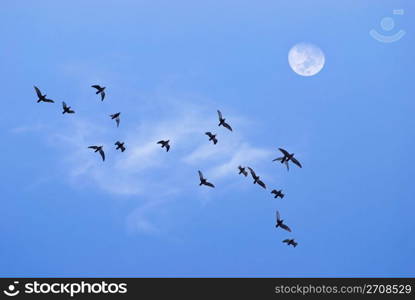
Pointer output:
256, 178
116, 117
42, 98
99, 149
280, 223
290, 242
287, 157
203, 180
212, 137
242, 171
100, 90
278, 193
120, 146
67, 109
222, 121
164, 144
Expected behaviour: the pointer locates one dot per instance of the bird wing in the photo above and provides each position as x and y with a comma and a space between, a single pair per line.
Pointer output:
38, 93
278, 215
160, 142
117, 143
96, 86
200, 175
48, 100
286, 241
220, 115
294, 160
167, 148
102, 95
215, 140
245, 173
117, 120
252, 172
64, 105
261, 183
102, 154
274, 192
209, 134
279, 159
294, 244
209, 184
285, 227
285, 152
93, 147
226, 125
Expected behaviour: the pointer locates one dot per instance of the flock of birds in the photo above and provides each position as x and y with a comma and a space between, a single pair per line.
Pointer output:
285, 159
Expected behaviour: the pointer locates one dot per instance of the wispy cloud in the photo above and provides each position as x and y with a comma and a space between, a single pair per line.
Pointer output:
144, 168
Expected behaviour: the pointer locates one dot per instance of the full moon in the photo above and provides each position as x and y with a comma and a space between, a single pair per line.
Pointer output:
306, 59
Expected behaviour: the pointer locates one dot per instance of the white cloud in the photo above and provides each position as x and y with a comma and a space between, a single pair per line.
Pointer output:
145, 169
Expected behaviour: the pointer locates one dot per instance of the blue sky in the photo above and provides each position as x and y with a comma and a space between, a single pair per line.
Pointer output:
168, 65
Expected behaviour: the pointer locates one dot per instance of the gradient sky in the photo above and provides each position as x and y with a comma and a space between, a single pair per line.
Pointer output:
168, 65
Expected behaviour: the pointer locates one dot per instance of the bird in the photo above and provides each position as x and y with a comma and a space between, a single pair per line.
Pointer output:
290, 242
278, 193
165, 144
287, 157
242, 171
280, 223
120, 145
212, 137
203, 181
42, 98
222, 121
116, 116
67, 109
256, 178
100, 90
99, 149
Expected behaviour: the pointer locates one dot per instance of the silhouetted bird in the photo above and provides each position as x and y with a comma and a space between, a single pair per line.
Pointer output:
242, 171
280, 223
222, 121
100, 90
116, 117
164, 144
203, 181
120, 146
212, 137
67, 109
99, 149
278, 193
256, 178
290, 242
287, 157
42, 98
